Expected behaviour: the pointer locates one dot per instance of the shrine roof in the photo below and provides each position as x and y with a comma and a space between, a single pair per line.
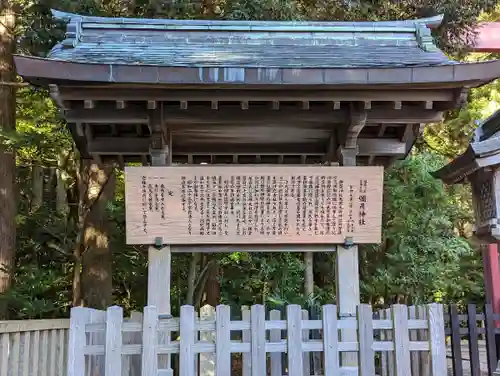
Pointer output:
204, 43
483, 151
166, 51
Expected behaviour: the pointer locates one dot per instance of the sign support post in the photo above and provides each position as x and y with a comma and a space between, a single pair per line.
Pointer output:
347, 276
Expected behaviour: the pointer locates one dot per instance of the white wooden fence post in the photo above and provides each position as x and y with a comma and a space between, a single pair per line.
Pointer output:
294, 340
246, 338
186, 352
437, 339
330, 341
401, 340
207, 360
305, 338
366, 356
423, 335
223, 341
275, 336
4, 360
77, 340
114, 343
150, 342
258, 345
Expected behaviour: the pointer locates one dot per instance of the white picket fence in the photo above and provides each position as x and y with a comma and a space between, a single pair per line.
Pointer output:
103, 343
33, 347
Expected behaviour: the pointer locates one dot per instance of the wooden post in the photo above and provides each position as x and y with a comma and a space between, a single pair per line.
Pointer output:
159, 279
347, 277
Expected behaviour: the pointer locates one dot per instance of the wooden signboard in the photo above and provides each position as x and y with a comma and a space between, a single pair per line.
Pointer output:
253, 204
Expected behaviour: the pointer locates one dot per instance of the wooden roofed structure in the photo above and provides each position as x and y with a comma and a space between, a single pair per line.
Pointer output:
478, 165
247, 91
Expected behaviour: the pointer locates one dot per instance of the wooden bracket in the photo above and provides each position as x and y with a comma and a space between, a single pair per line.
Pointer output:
161, 141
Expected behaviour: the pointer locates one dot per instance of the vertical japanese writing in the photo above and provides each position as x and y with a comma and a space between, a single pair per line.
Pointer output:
340, 206
162, 200
157, 197
220, 205
362, 202
202, 205
144, 206
298, 186
190, 200
237, 201
350, 210
150, 197
213, 201
183, 193
286, 197
226, 207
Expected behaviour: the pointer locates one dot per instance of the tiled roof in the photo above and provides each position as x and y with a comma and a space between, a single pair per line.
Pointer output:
201, 43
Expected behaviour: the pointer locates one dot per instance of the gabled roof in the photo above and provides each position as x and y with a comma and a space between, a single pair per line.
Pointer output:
159, 51
249, 44
483, 151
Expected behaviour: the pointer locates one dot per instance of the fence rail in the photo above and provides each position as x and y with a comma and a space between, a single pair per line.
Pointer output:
33, 347
109, 339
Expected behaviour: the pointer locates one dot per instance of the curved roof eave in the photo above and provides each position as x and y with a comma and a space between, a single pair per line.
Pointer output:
474, 74
431, 22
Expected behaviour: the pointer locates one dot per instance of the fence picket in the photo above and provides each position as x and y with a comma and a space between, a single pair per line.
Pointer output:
305, 338
223, 341
384, 355
186, 354
437, 339
207, 360
77, 340
456, 347
275, 336
53, 349
475, 366
114, 321
401, 340
4, 364
16, 347
36, 353
423, 335
149, 341
258, 338
391, 356
330, 340
246, 338
414, 356
44, 352
365, 341
26, 354
294, 340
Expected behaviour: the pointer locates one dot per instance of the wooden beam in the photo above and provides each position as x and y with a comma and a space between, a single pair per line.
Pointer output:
256, 114
138, 146
231, 95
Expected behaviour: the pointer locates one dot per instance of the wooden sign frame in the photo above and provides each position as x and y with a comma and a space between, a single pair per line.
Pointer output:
253, 204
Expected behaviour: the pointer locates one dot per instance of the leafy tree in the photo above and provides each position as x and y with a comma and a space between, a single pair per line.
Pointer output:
422, 256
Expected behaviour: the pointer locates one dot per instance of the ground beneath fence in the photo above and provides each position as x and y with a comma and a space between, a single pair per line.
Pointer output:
466, 359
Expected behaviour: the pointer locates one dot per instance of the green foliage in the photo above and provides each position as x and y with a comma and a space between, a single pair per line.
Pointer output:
422, 255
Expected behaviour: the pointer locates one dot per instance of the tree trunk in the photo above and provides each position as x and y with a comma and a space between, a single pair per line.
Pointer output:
309, 274
7, 161
96, 256
193, 265
37, 188
212, 287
